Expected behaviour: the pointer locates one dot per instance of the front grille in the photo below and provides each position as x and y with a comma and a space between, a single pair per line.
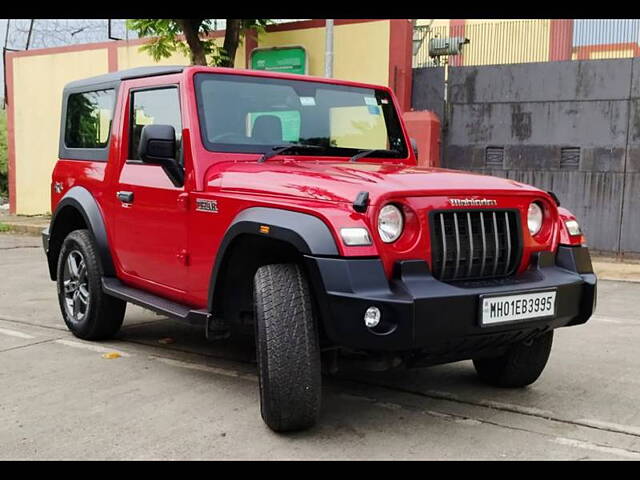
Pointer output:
474, 244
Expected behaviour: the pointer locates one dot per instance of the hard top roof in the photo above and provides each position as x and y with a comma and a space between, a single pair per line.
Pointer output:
116, 77
113, 79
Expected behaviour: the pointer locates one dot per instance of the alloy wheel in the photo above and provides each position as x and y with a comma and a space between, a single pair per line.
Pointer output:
76, 286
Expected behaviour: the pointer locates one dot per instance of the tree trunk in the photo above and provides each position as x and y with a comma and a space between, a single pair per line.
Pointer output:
191, 27
231, 41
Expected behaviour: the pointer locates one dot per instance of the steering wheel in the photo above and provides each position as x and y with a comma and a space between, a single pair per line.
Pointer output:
231, 137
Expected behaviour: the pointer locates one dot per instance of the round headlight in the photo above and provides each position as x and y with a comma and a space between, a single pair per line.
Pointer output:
390, 223
534, 218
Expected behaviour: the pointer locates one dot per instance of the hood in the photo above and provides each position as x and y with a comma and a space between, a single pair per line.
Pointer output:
341, 182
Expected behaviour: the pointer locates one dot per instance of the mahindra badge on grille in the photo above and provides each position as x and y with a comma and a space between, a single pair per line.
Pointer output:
472, 202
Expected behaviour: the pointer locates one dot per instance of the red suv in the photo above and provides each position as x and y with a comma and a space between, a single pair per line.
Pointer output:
293, 206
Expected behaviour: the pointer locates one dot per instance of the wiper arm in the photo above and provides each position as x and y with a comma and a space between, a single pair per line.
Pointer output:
366, 153
278, 149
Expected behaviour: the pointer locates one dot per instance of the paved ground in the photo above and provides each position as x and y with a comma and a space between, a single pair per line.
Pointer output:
190, 399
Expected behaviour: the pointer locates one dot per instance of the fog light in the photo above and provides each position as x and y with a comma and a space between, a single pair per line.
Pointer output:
372, 317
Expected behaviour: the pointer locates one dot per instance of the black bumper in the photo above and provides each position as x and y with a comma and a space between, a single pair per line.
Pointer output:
420, 313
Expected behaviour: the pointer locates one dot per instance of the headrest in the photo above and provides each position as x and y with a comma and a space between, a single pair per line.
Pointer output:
267, 129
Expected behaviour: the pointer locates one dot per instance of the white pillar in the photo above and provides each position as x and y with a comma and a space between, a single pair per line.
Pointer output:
328, 47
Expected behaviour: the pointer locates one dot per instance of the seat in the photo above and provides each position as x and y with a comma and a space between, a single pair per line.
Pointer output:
267, 129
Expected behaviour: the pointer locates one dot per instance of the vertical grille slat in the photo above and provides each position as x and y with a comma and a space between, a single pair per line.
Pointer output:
470, 245
506, 264
475, 244
497, 254
444, 245
484, 244
455, 222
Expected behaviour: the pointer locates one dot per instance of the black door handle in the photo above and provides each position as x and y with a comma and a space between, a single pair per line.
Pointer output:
125, 197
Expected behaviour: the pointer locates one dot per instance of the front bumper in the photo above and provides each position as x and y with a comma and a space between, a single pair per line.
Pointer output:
441, 319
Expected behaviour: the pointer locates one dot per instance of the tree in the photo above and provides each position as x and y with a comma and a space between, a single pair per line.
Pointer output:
170, 35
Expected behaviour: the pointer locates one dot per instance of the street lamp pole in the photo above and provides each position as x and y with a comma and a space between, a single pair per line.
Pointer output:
328, 49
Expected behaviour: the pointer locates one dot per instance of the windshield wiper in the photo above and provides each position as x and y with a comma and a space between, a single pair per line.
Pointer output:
278, 149
366, 153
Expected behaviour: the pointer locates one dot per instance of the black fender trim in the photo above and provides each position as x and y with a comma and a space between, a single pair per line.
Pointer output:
81, 199
308, 234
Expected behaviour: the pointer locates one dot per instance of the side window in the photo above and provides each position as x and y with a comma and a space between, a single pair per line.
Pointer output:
159, 106
88, 121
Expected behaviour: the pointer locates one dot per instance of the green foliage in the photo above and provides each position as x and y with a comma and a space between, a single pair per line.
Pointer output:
4, 153
166, 38
259, 24
82, 121
4, 227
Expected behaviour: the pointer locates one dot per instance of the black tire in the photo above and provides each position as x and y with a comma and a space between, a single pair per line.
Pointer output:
288, 352
103, 314
521, 365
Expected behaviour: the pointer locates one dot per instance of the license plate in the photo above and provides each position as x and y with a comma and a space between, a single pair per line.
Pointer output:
512, 308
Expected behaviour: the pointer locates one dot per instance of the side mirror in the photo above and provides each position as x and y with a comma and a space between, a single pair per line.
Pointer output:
158, 146
414, 145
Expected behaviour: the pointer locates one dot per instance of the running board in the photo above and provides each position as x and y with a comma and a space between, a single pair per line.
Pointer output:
114, 287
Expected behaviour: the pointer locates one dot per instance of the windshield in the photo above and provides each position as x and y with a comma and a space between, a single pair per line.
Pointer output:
240, 113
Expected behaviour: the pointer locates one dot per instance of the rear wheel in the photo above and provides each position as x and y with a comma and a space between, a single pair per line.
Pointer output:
87, 311
521, 365
287, 348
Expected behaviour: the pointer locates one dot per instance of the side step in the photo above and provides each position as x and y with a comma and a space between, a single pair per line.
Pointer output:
114, 287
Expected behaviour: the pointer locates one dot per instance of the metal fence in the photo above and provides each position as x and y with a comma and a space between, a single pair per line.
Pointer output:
523, 41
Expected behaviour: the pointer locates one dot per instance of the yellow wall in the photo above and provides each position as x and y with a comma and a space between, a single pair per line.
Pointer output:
614, 53
349, 43
130, 56
361, 53
37, 86
507, 41
435, 22
240, 56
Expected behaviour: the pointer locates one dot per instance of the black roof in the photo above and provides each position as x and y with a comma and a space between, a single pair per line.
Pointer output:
116, 77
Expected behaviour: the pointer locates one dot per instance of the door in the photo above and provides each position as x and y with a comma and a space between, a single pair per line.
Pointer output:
151, 228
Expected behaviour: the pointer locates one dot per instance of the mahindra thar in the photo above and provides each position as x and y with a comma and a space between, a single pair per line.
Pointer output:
293, 207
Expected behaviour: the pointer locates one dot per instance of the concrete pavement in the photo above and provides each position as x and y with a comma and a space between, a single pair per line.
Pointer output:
29, 225
60, 398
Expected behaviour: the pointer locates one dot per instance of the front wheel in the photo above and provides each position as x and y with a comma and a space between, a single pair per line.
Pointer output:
88, 312
519, 366
287, 348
